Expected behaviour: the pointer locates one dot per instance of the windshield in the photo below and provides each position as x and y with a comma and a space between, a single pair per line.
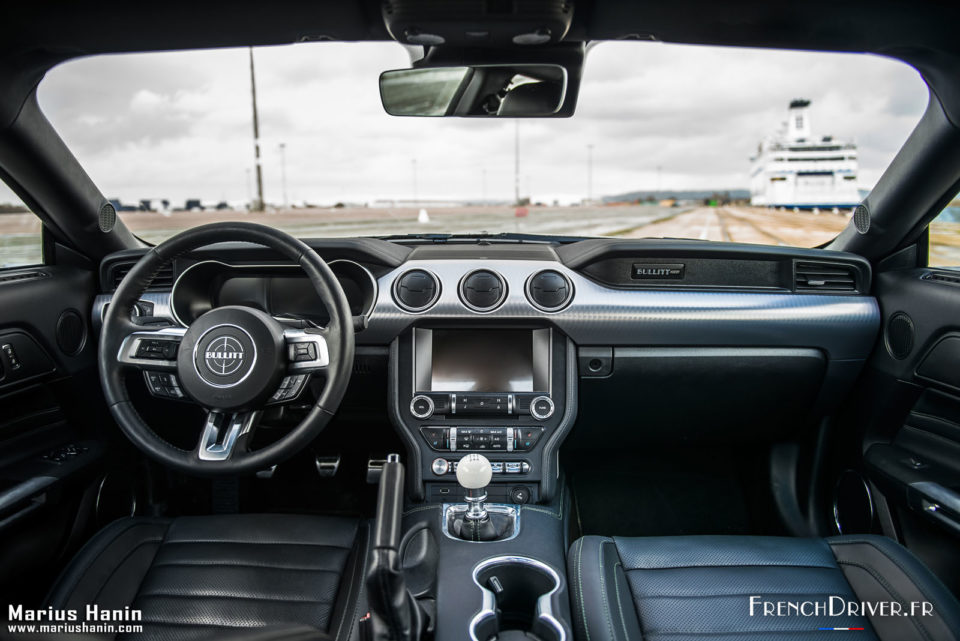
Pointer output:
708, 143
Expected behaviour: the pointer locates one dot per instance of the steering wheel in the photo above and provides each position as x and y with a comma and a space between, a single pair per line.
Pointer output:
232, 361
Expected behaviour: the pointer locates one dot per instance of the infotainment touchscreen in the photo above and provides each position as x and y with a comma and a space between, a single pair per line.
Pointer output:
494, 360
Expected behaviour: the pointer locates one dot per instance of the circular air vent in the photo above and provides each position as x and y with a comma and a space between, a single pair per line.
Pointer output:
416, 290
483, 290
549, 290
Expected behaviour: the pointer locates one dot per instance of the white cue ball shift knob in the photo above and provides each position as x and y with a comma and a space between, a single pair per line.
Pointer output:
474, 472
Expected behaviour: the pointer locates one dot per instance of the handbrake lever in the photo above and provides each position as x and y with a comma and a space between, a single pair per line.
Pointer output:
394, 613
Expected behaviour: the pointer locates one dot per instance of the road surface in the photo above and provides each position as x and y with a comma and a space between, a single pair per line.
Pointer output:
19, 233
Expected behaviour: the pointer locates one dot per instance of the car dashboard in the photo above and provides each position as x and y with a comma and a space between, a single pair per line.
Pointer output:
514, 349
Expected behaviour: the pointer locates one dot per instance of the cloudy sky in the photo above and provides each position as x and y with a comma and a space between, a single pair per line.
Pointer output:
178, 125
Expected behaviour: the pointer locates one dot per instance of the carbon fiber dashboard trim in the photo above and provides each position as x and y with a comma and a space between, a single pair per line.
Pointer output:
845, 327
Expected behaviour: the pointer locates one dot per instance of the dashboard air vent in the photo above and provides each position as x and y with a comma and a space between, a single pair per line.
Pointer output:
163, 280
824, 277
482, 290
943, 277
18, 276
549, 290
416, 290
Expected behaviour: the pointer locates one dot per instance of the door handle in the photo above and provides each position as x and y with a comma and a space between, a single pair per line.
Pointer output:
23, 499
938, 503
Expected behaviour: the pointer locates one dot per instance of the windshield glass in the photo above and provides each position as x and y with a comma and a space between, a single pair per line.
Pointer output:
683, 141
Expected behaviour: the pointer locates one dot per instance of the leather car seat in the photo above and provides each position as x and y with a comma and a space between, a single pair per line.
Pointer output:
225, 576
688, 588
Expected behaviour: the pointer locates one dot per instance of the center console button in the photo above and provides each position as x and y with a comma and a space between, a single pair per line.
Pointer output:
527, 438
541, 408
520, 495
436, 437
440, 466
421, 406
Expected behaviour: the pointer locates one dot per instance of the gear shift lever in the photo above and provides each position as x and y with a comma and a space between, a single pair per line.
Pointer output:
473, 475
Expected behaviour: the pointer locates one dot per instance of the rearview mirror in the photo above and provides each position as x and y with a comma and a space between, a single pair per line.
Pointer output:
482, 90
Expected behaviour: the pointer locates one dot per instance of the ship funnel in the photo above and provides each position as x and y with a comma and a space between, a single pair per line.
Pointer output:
798, 120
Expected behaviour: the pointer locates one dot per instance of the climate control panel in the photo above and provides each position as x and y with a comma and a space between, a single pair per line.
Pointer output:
481, 439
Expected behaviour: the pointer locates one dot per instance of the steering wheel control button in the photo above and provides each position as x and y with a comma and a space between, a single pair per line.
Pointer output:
549, 290
416, 290
483, 290
290, 388
163, 384
300, 352
306, 352
541, 408
440, 466
421, 406
157, 349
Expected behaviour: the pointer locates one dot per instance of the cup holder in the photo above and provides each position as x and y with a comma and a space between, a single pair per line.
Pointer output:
516, 601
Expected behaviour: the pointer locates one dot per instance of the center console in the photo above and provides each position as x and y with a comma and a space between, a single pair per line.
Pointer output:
506, 392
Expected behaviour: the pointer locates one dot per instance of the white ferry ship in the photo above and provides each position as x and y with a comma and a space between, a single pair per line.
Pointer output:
794, 169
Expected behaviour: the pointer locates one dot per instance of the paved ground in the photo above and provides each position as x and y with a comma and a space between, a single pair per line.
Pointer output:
19, 232
749, 225
587, 221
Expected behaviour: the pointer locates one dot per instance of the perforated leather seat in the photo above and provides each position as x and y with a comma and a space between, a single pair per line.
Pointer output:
691, 588
219, 576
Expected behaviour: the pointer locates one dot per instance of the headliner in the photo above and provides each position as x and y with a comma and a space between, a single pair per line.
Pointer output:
71, 29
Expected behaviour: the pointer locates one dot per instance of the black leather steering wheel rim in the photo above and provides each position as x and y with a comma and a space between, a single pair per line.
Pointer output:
117, 325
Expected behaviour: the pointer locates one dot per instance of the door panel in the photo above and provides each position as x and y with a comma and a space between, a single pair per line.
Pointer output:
51, 404
911, 451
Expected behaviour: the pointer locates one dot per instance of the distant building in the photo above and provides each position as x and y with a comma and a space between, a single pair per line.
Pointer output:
796, 170
154, 204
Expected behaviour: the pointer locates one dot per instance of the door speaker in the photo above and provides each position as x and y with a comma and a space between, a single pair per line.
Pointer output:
108, 218
899, 335
852, 504
71, 332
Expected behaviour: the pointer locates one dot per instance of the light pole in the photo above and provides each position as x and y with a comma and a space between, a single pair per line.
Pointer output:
283, 173
516, 162
589, 173
258, 204
413, 163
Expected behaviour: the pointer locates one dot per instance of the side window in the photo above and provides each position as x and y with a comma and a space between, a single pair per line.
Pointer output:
945, 237
21, 241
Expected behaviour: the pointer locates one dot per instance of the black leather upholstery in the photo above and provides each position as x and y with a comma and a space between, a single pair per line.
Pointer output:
215, 576
699, 588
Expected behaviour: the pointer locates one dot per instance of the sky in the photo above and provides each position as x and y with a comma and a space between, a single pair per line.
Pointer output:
177, 125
